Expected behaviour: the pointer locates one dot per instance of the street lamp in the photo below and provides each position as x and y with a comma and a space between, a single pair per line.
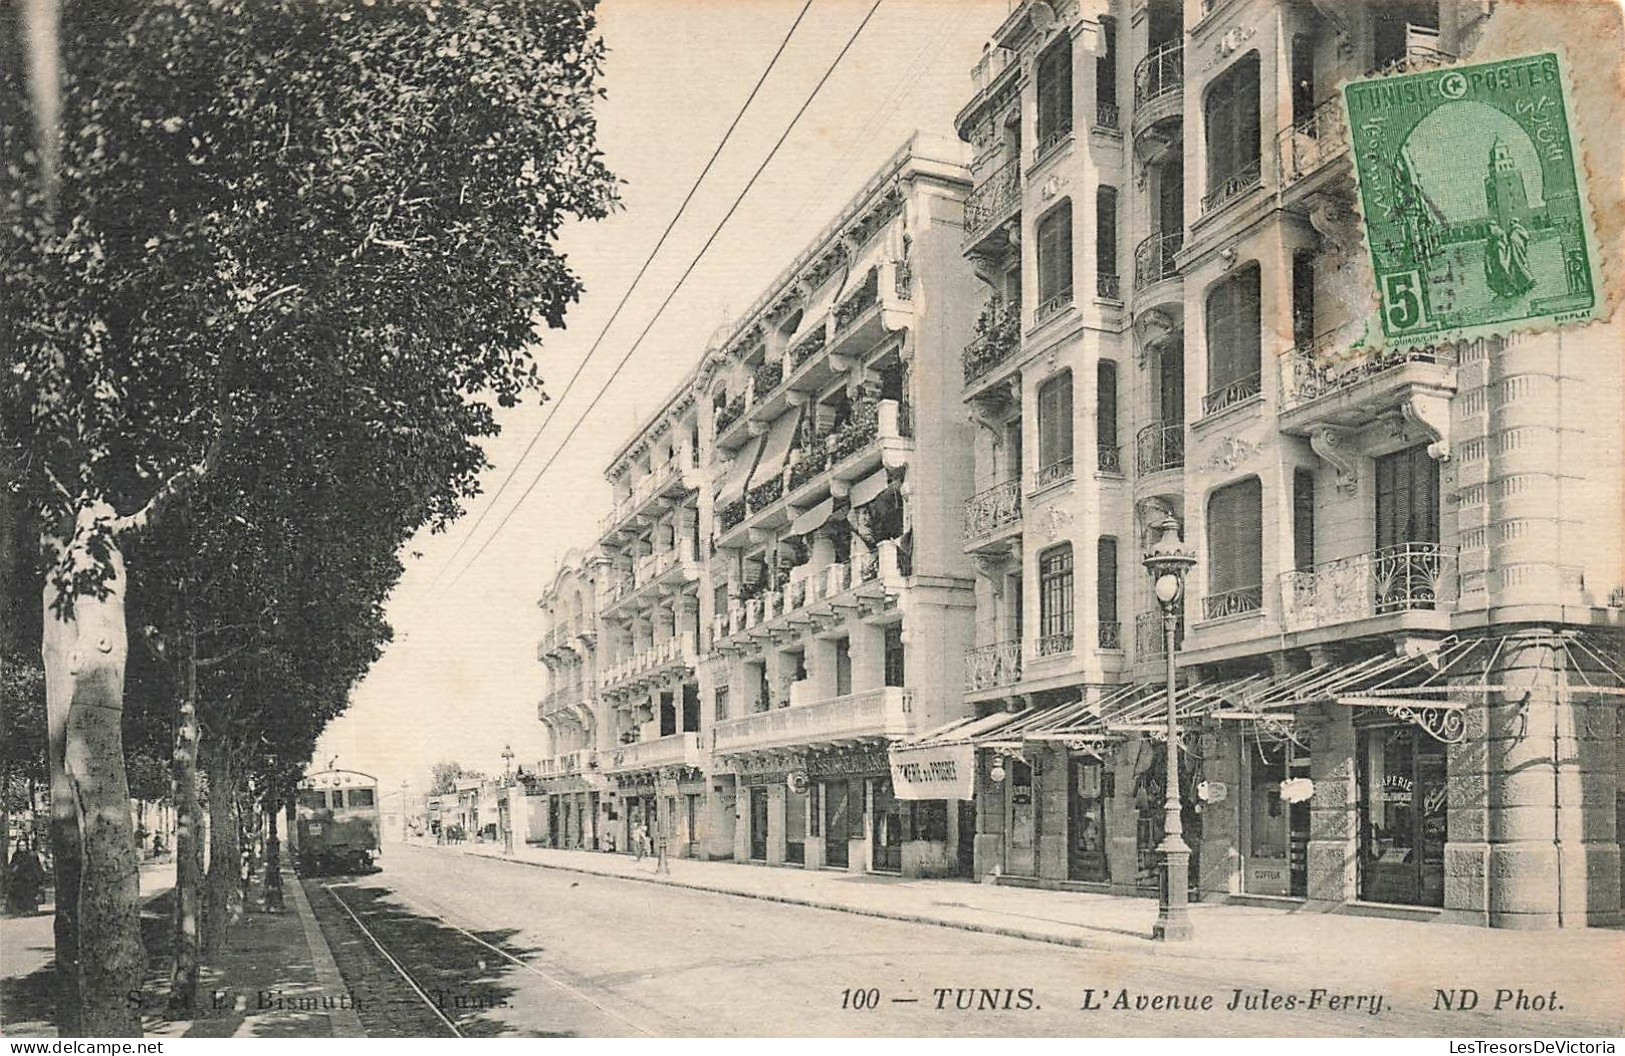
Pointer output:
507, 763
505, 804
1168, 561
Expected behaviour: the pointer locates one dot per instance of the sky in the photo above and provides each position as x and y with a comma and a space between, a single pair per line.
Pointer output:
461, 680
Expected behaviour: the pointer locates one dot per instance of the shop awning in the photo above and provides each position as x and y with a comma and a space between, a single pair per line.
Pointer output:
776, 447
733, 480
813, 519
869, 488
819, 303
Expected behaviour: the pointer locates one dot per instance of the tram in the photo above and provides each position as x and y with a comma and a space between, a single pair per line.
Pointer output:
336, 823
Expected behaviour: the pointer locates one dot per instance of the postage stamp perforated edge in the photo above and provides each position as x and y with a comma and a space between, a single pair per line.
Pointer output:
1605, 294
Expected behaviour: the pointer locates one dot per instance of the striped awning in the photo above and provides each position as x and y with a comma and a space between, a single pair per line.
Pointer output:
739, 470
775, 447
813, 519
869, 488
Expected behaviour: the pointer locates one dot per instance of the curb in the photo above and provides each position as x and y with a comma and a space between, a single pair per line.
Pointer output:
1075, 942
343, 1022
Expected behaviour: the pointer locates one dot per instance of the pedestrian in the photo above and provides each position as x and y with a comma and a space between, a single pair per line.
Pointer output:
640, 841
27, 880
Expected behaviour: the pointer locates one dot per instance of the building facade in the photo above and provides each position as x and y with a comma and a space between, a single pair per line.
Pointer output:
1398, 653
892, 524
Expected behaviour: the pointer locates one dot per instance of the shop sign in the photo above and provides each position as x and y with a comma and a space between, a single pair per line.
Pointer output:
862, 761
1212, 791
938, 772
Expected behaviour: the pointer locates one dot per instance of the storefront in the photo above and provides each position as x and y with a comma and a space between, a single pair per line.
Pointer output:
1404, 823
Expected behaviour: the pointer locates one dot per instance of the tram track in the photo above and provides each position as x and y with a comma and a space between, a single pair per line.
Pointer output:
415, 970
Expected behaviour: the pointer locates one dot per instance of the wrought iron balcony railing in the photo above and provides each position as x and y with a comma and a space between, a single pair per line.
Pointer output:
1159, 446
1405, 578
1053, 305
989, 666
1238, 391
1305, 146
1154, 258
998, 338
988, 511
1109, 459
1051, 141
1233, 186
1317, 368
810, 346
1108, 286
1106, 115
1160, 72
993, 199
1058, 644
765, 494
810, 461
862, 299
1110, 635
1237, 602
1054, 473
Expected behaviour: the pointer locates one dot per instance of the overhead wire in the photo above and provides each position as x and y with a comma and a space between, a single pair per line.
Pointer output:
771, 154
570, 385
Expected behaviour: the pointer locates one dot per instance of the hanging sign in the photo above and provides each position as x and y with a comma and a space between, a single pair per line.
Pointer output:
934, 772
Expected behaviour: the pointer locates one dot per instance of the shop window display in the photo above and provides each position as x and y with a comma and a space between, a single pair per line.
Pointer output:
1403, 816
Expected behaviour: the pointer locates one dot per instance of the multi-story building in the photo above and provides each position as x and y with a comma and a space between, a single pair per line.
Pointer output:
778, 593
1399, 647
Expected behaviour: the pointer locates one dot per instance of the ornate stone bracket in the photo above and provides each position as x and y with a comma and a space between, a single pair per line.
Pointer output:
1334, 447
1430, 412
1153, 328
1334, 222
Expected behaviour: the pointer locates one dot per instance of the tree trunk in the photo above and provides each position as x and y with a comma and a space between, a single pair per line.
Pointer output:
183, 974
273, 855
98, 926
225, 906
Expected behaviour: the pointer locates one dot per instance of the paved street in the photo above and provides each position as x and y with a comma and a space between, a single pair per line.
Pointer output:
607, 956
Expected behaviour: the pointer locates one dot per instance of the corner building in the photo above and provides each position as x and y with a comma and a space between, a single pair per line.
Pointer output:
1399, 653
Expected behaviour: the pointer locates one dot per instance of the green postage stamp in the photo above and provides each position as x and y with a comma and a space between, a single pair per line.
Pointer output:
1475, 204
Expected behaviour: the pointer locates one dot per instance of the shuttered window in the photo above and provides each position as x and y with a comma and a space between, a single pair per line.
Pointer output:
1407, 498
1106, 64
1233, 124
1234, 342
1303, 519
1171, 382
1106, 579
1055, 420
1055, 92
1106, 404
1235, 536
1055, 253
1106, 231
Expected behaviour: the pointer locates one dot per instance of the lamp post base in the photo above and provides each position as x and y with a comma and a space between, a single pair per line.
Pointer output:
1173, 902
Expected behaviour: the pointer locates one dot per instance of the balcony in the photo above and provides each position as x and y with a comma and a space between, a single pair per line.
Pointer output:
995, 199
1051, 142
1057, 472
1159, 447
1052, 306
862, 299
1048, 646
1411, 577
676, 749
1228, 188
731, 413
1242, 601
992, 666
768, 376
563, 698
821, 593
998, 337
993, 515
1230, 395
1323, 384
872, 715
1311, 144
1150, 636
1154, 259
651, 665
568, 764
1158, 82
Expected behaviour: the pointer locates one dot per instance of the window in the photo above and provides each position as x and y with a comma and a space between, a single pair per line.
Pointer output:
1106, 592
1171, 382
1055, 600
356, 797
1303, 78
1403, 29
668, 715
1234, 344
1303, 299
313, 799
1407, 498
1055, 429
1232, 133
1303, 519
1054, 94
1106, 75
720, 708
843, 667
1235, 549
896, 663
1106, 242
1054, 260
1106, 415
929, 819
691, 707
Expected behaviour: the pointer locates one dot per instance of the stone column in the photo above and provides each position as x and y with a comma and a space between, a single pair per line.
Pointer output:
1333, 811
775, 824
1219, 857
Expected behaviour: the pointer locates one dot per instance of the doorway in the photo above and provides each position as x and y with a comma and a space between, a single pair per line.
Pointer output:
837, 823
1086, 829
1021, 857
1403, 816
758, 824
965, 856
887, 856
795, 826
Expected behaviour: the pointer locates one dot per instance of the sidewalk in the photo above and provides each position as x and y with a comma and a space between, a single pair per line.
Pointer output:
275, 977
1234, 933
